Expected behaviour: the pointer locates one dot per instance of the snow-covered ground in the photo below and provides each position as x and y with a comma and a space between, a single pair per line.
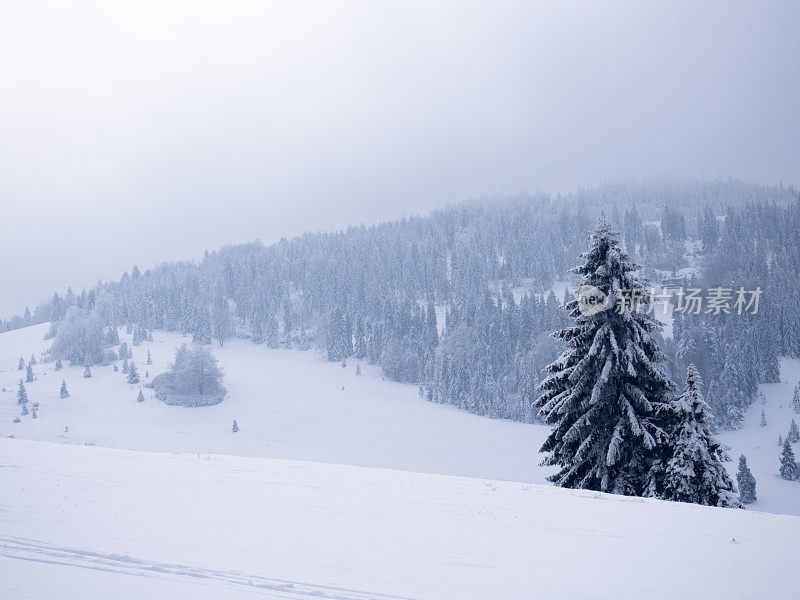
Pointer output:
288, 404
295, 405
144, 499
83, 523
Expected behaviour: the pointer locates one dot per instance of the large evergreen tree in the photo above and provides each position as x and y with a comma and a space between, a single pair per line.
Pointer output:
694, 471
606, 394
64, 393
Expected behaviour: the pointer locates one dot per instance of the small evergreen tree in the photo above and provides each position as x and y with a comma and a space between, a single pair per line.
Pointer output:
140, 397
22, 394
149, 358
746, 481
32, 361
64, 393
796, 399
21, 364
694, 472
788, 468
59, 366
24, 410
125, 365
29, 375
235, 427
87, 372
763, 418
35, 412
133, 374
794, 434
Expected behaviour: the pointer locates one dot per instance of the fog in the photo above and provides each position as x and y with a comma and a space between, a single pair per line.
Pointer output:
137, 132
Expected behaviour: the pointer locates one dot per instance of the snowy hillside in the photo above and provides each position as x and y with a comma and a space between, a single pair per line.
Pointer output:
288, 404
296, 405
84, 523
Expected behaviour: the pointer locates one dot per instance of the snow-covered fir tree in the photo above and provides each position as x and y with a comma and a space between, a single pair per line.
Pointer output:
29, 375
235, 426
22, 394
606, 395
64, 393
149, 360
746, 481
794, 434
32, 361
796, 399
694, 471
87, 371
125, 365
788, 467
21, 364
58, 366
140, 397
763, 418
35, 411
133, 373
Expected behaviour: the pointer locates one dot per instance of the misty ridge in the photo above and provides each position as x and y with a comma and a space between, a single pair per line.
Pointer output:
462, 302
399, 301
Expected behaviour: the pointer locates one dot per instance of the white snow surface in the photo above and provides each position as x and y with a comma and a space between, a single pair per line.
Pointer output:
143, 500
87, 522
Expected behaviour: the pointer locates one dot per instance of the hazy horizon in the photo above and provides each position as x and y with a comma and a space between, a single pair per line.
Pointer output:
136, 136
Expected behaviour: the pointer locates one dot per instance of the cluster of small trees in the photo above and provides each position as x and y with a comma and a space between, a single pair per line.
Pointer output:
193, 379
22, 400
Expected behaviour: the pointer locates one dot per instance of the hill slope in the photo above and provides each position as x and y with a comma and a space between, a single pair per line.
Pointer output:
82, 522
288, 404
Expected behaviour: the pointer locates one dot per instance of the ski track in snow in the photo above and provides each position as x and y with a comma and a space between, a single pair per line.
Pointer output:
41, 552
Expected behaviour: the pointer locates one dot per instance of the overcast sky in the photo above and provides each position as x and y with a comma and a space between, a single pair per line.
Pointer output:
140, 132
